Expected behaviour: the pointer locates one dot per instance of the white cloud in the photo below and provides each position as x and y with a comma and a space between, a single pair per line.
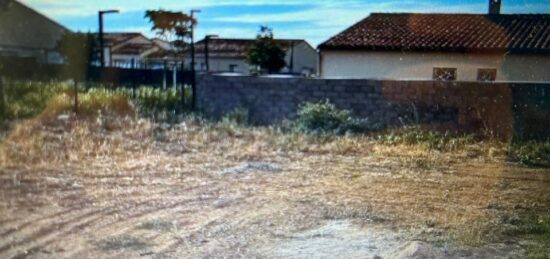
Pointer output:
228, 32
320, 22
317, 23
344, 14
61, 8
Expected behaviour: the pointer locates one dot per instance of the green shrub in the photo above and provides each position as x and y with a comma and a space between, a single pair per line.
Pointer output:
27, 99
323, 117
531, 153
151, 100
239, 116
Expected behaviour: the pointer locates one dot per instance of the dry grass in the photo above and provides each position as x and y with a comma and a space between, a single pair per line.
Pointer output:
58, 135
127, 175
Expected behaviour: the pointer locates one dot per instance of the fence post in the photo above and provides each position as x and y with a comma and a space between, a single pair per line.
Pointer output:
134, 78
164, 74
2, 99
182, 86
193, 89
75, 97
174, 76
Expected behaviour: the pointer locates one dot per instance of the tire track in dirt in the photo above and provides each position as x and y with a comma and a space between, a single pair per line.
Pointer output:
190, 231
78, 206
195, 203
128, 225
215, 229
50, 238
73, 219
45, 232
32, 236
46, 235
28, 223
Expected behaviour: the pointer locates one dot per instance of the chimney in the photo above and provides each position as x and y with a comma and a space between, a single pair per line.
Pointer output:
494, 6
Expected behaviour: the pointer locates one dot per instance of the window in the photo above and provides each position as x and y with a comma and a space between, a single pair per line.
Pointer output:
233, 68
203, 66
486, 74
444, 74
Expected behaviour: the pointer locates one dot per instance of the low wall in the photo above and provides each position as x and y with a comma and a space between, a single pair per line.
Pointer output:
466, 106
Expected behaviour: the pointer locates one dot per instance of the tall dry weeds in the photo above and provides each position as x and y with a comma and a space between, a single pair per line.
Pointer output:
103, 125
50, 139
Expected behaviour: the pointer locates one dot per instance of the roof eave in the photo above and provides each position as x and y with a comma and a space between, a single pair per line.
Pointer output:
436, 49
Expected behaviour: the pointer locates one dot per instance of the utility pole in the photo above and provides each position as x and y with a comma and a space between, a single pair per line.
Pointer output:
134, 78
193, 76
206, 39
164, 72
101, 42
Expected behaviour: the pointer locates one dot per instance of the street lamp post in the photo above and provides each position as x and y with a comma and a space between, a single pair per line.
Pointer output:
101, 43
193, 80
206, 39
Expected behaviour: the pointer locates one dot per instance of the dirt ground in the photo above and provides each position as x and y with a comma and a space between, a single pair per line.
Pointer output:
190, 192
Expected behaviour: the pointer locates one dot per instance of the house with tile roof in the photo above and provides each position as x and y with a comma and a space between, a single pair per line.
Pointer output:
127, 49
26, 33
465, 47
229, 55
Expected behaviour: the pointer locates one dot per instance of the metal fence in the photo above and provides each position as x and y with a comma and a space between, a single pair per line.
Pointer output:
28, 69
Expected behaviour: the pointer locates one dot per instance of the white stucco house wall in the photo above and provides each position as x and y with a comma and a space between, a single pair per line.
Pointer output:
229, 55
420, 66
465, 47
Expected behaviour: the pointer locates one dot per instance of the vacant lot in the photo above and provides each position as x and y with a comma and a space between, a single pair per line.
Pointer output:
127, 188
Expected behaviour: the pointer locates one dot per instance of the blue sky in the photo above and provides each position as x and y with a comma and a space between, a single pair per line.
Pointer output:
315, 21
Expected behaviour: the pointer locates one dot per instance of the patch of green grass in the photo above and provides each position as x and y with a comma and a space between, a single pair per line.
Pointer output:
475, 234
414, 135
121, 242
27, 99
531, 153
151, 100
238, 116
158, 225
534, 228
323, 117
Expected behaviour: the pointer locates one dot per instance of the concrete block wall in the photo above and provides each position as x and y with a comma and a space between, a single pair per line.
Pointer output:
466, 106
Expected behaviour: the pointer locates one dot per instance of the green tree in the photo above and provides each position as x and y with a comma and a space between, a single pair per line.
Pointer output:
266, 53
79, 51
174, 27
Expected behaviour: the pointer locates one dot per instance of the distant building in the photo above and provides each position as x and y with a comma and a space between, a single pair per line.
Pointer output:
229, 55
127, 49
26, 33
465, 47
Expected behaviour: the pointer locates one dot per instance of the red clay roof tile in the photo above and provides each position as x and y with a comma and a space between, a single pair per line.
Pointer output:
529, 33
